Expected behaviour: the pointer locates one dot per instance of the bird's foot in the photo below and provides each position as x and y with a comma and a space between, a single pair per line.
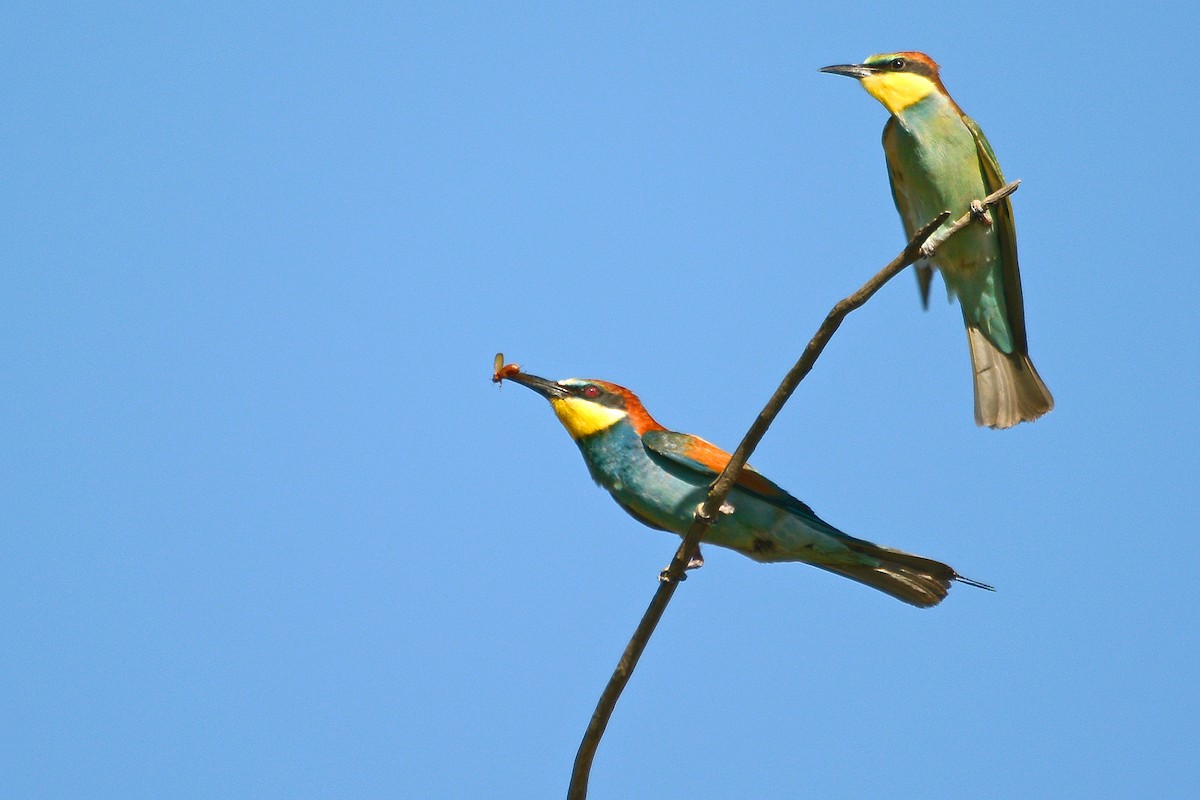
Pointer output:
724, 511
928, 249
695, 562
980, 213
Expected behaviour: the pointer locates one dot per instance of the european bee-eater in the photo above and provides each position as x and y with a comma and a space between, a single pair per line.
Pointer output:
661, 477
938, 160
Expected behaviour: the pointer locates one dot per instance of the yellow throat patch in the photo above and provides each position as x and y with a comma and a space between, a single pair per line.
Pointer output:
583, 418
898, 90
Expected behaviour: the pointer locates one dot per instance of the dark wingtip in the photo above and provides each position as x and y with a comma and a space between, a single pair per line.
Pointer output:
924, 280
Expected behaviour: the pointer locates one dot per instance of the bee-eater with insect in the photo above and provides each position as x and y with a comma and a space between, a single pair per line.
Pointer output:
938, 160
661, 477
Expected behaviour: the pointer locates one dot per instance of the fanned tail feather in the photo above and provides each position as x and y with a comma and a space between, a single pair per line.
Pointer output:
1008, 389
918, 581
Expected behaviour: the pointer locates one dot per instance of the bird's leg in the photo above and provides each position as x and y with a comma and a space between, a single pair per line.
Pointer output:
980, 213
725, 510
930, 246
695, 562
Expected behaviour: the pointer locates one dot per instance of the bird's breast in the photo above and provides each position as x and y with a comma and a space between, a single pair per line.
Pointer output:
934, 166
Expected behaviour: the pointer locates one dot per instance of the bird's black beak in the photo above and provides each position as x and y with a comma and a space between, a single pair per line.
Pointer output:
547, 389
856, 71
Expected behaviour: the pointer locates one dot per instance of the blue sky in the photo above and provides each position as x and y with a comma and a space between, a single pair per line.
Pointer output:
269, 531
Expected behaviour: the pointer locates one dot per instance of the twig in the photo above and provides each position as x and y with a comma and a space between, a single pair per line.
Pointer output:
706, 514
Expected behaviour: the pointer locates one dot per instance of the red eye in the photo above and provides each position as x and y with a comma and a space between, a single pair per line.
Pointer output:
591, 391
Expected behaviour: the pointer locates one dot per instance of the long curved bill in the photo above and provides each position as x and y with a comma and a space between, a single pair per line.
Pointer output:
856, 71
546, 388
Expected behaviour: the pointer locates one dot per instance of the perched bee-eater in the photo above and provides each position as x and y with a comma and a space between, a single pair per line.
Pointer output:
938, 160
661, 477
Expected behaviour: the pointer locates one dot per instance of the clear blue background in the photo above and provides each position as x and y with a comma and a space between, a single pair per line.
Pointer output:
269, 530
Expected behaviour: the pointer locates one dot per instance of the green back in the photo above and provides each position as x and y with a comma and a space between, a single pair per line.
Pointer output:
1006, 233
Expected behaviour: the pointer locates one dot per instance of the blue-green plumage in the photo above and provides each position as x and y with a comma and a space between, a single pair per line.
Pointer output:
647, 478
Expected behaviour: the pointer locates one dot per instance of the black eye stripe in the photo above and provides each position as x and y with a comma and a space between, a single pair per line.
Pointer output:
902, 64
599, 395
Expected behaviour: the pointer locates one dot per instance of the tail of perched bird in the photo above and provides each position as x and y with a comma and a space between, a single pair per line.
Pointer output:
918, 581
1008, 389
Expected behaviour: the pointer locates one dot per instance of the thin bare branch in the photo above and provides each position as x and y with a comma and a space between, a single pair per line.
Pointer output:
706, 514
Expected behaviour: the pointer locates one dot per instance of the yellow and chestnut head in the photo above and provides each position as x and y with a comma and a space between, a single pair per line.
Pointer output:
898, 80
587, 407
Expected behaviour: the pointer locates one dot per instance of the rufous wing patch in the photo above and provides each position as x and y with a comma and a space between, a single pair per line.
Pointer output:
715, 459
